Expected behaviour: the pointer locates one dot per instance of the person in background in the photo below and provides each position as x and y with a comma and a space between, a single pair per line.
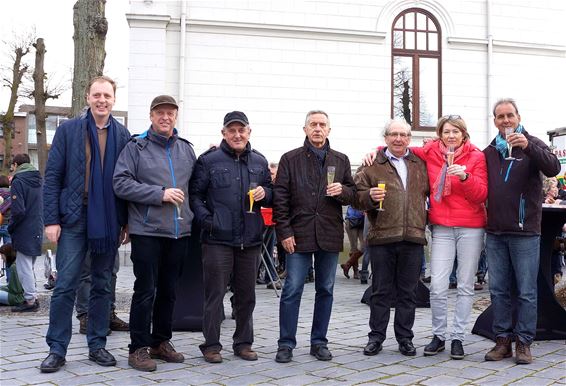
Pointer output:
5, 208
82, 215
152, 174
513, 229
11, 294
313, 182
354, 227
26, 226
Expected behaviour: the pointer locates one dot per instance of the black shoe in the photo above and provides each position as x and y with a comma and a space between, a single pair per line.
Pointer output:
284, 355
363, 281
102, 357
321, 352
456, 349
372, 348
52, 363
453, 285
434, 347
426, 279
26, 307
406, 348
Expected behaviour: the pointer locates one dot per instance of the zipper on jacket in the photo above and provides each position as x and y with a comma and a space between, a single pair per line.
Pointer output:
242, 202
174, 182
521, 211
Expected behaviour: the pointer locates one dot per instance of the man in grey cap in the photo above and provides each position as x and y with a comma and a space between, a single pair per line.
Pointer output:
230, 185
152, 174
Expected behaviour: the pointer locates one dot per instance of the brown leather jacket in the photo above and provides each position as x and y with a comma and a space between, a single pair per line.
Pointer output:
404, 217
300, 205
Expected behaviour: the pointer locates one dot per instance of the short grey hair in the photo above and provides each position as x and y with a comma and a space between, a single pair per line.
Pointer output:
391, 122
313, 112
504, 101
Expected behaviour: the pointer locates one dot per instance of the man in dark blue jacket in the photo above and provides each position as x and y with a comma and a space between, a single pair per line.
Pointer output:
229, 185
26, 226
82, 215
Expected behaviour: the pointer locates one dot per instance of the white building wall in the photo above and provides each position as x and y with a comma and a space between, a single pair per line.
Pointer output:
275, 60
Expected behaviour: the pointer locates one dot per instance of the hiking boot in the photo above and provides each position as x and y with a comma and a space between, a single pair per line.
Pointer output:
166, 352
434, 347
212, 356
117, 324
82, 323
522, 353
501, 350
456, 349
284, 355
141, 360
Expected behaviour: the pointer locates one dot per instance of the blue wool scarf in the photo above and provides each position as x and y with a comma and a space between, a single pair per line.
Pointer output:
501, 143
102, 220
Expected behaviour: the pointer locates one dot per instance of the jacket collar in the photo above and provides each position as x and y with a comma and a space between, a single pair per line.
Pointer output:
227, 149
382, 158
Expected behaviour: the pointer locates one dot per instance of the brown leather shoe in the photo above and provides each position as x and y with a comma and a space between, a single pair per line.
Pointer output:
522, 353
140, 360
247, 354
346, 268
501, 350
212, 356
166, 352
117, 324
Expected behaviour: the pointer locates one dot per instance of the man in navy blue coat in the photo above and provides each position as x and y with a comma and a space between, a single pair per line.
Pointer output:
26, 226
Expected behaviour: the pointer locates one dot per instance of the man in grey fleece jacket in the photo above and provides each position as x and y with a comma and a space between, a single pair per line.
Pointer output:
152, 174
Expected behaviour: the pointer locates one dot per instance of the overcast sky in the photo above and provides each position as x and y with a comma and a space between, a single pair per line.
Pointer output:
53, 21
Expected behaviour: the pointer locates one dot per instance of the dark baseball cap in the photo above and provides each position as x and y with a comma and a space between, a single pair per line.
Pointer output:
163, 100
236, 116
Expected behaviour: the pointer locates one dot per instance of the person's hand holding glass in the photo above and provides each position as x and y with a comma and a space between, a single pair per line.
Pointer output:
509, 131
377, 194
255, 193
332, 188
176, 197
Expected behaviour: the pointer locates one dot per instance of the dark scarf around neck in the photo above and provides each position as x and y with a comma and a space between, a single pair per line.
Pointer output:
102, 220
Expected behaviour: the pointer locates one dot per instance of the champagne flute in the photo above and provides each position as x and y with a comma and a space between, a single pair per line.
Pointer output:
381, 185
330, 174
508, 132
251, 189
178, 207
450, 155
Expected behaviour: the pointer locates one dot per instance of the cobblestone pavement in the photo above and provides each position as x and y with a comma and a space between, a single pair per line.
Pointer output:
23, 348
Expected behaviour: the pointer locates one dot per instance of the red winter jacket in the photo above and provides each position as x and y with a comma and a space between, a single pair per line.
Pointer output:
465, 206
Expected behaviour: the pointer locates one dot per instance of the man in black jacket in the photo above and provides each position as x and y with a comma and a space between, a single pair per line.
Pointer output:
26, 226
515, 162
313, 182
230, 183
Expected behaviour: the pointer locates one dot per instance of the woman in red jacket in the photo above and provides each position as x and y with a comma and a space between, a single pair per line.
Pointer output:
457, 175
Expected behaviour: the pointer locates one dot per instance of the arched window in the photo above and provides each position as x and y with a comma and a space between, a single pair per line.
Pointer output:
416, 82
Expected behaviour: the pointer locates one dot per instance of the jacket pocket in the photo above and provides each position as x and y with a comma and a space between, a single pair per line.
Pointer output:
221, 224
256, 175
220, 178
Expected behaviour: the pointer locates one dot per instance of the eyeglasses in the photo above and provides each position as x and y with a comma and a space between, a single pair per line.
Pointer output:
402, 135
450, 117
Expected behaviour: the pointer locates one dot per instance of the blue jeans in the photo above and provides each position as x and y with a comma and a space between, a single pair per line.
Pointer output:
4, 235
297, 265
512, 259
72, 248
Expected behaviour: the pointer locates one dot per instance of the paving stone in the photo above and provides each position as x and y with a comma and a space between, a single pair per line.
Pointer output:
402, 379
532, 381
445, 380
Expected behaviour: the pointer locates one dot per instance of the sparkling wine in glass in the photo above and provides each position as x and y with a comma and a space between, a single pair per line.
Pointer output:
251, 189
508, 132
381, 185
330, 174
450, 155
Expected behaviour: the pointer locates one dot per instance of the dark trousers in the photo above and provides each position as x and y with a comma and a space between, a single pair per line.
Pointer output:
394, 266
220, 262
157, 265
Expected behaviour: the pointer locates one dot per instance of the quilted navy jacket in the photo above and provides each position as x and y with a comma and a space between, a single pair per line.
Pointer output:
64, 188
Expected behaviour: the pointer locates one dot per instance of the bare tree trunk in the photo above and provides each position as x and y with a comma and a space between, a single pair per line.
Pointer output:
40, 97
18, 71
90, 36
